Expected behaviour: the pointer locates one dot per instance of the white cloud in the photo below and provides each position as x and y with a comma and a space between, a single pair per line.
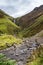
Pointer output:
2, 2
19, 7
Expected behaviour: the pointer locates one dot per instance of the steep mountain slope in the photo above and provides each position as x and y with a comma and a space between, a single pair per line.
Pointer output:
6, 25
29, 18
36, 27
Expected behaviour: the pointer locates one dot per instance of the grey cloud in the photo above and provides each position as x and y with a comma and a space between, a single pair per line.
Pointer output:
19, 7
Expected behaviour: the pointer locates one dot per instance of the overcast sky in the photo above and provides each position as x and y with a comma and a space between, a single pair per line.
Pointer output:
18, 8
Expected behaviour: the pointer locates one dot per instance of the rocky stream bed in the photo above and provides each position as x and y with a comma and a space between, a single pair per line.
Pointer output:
22, 52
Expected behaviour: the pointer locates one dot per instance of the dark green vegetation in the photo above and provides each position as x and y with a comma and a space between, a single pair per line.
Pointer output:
6, 61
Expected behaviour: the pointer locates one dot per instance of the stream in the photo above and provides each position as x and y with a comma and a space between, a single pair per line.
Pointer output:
22, 52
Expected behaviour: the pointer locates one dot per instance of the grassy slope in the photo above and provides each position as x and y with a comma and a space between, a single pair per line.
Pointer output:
34, 28
7, 26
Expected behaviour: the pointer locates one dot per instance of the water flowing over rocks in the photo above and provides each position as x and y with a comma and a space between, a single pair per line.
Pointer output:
22, 52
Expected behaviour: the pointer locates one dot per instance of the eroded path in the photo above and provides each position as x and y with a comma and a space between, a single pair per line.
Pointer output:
22, 52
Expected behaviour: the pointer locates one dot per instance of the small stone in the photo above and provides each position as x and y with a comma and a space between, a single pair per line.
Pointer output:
17, 54
20, 63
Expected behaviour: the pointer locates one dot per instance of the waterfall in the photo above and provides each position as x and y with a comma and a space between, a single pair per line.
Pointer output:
14, 21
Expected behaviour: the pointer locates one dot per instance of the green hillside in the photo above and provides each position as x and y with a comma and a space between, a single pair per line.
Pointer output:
36, 27
7, 26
